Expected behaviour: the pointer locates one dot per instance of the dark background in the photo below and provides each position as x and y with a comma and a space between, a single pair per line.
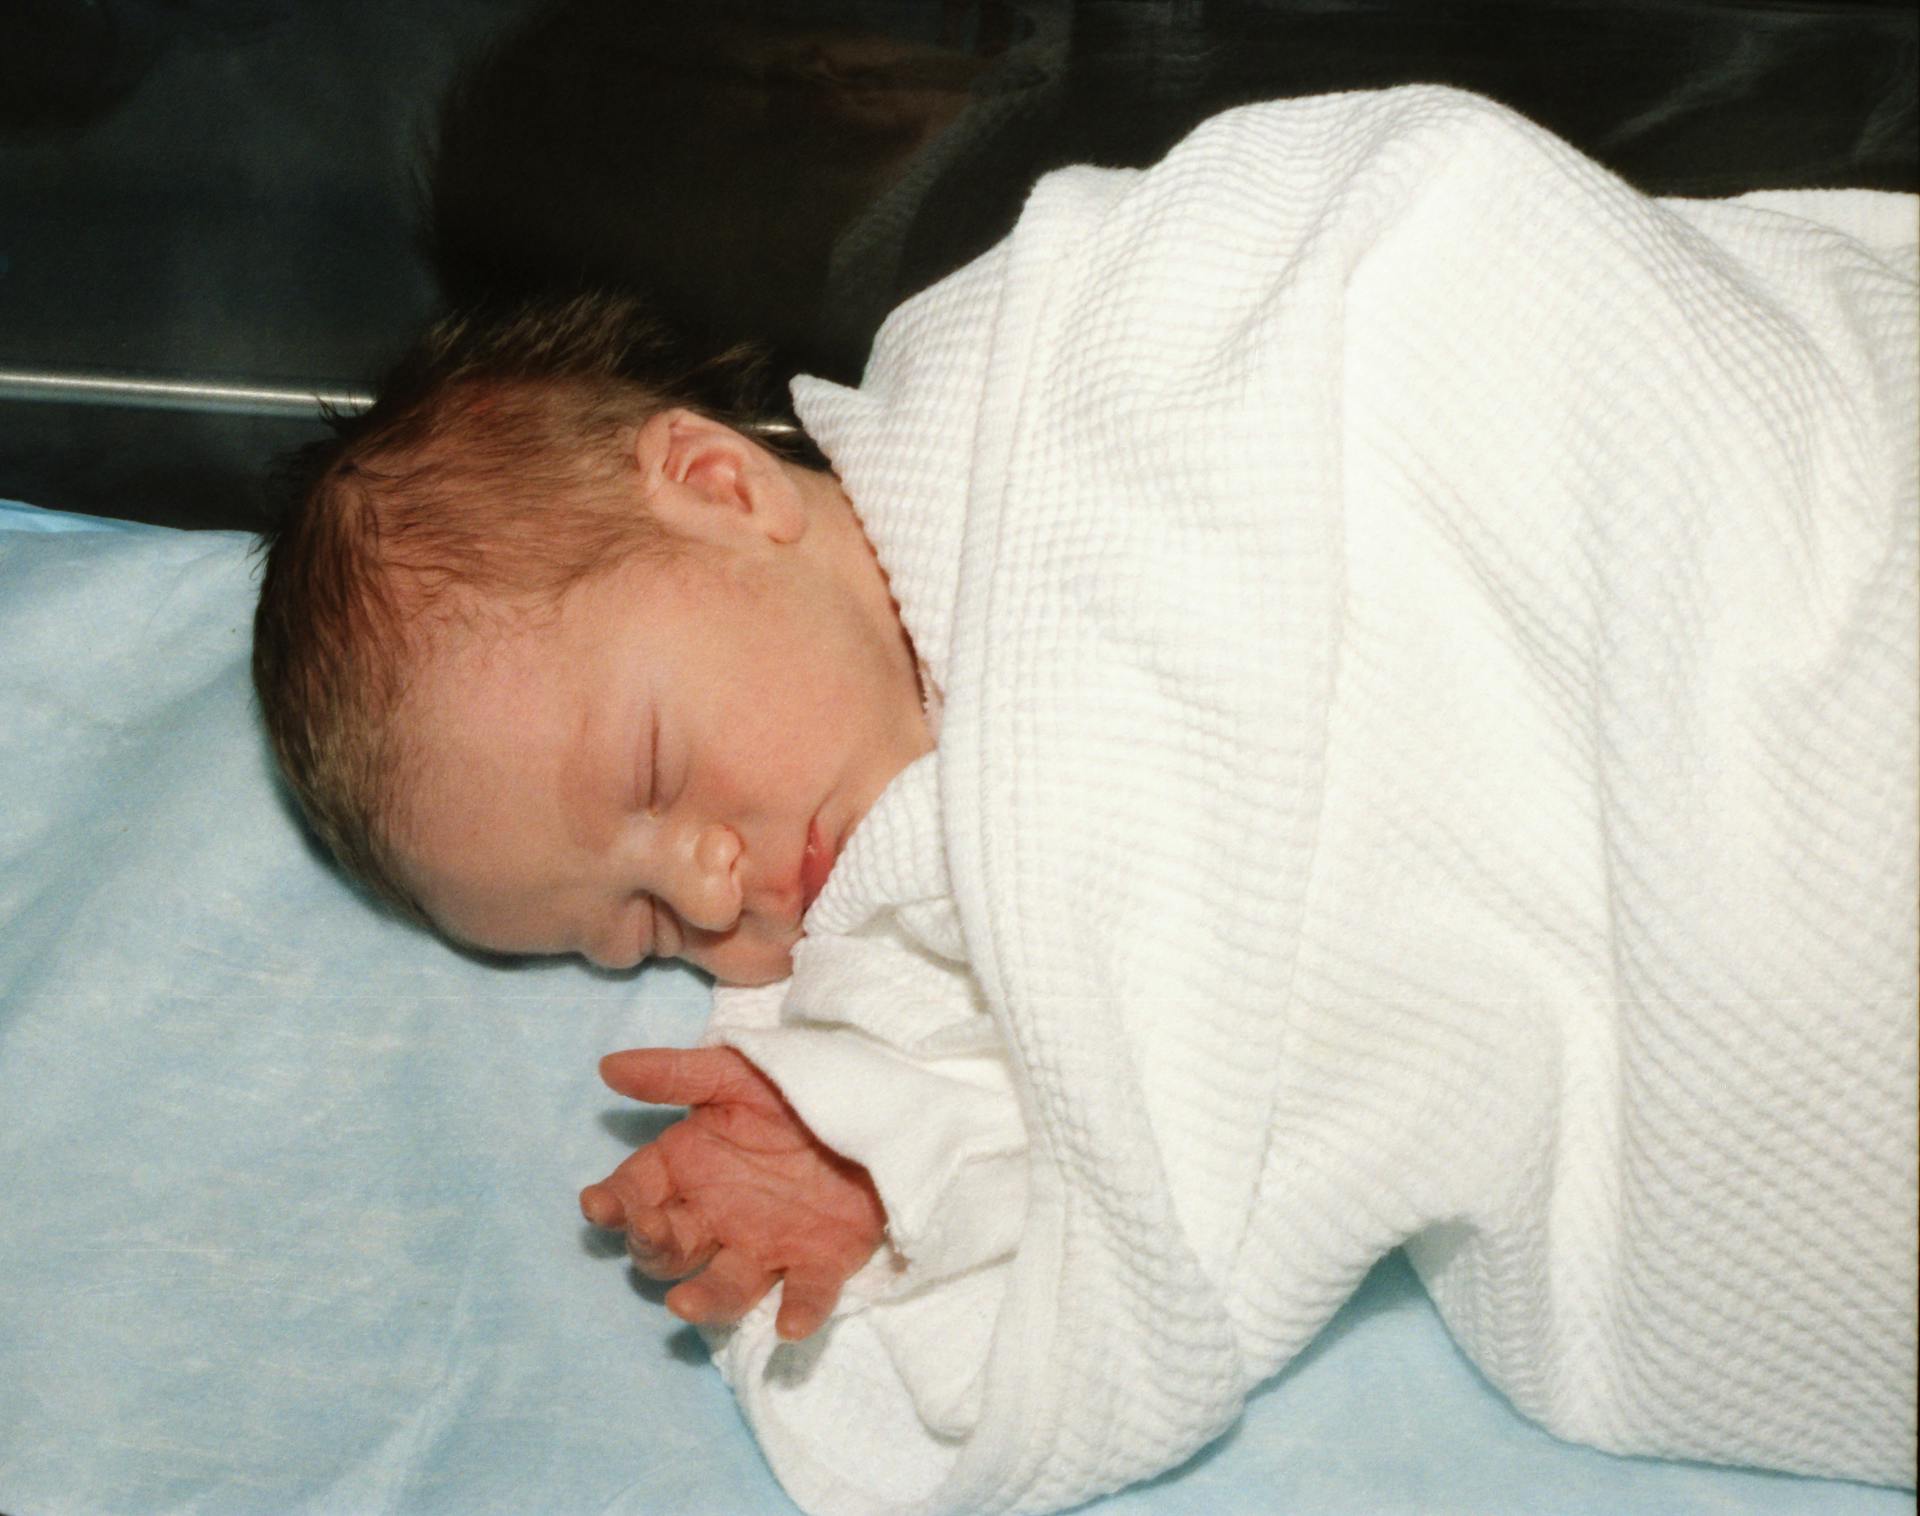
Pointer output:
244, 189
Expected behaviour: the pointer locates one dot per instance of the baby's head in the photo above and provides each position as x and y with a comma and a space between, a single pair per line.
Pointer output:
557, 661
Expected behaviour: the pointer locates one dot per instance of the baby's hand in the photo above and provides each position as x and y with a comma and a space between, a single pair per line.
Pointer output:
738, 1194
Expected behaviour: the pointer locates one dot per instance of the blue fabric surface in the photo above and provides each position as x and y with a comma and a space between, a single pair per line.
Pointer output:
17, 517
287, 1220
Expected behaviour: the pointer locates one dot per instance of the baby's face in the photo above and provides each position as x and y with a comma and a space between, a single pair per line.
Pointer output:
671, 767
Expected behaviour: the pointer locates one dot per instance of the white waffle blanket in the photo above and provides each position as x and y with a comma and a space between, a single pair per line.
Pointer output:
1428, 638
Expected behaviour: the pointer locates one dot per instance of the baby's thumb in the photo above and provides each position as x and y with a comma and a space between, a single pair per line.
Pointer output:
676, 1076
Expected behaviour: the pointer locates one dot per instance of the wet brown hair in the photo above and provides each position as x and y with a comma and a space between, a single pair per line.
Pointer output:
484, 482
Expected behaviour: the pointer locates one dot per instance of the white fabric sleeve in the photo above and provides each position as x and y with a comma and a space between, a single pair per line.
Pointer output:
942, 1138
882, 1042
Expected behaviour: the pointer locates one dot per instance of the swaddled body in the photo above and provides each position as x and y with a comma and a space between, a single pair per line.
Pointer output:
1422, 642
1427, 639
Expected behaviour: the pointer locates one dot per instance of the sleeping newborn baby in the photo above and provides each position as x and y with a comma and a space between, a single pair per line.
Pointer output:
561, 665
1351, 690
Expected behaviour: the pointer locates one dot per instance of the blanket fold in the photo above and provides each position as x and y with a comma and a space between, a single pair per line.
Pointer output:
1428, 645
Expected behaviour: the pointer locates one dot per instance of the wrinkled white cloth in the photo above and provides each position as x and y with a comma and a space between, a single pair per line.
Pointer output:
1428, 646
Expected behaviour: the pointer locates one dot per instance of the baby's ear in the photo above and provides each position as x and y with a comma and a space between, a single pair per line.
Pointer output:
702, 477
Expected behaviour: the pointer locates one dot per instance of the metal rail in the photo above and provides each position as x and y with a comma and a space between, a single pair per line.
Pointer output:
226, 396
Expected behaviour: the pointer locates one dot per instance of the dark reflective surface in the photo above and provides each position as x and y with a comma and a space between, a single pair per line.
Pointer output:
206, 187
778, 172
228, 186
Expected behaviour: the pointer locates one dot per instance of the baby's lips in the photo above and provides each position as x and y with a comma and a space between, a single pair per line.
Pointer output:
815, 864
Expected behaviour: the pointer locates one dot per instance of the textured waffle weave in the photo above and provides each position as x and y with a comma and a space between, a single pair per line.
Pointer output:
1429, 756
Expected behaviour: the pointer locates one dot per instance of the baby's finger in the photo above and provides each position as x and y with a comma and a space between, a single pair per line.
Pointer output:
670, 1243
678, 1076
640, 1183
807, 1299
723, 1292
601, 1204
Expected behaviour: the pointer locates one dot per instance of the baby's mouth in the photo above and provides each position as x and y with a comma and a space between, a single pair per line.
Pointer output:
816, 862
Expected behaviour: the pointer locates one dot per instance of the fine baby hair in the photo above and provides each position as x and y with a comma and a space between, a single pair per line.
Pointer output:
481, 483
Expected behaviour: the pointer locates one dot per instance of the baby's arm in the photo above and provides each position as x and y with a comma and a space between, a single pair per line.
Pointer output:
739, 1194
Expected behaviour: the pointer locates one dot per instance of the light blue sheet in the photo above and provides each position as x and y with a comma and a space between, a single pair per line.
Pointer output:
287, 1216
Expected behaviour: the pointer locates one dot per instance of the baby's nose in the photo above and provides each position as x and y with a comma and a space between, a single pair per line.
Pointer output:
707, 895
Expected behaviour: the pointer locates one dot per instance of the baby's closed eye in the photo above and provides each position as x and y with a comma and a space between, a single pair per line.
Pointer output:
649, 785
